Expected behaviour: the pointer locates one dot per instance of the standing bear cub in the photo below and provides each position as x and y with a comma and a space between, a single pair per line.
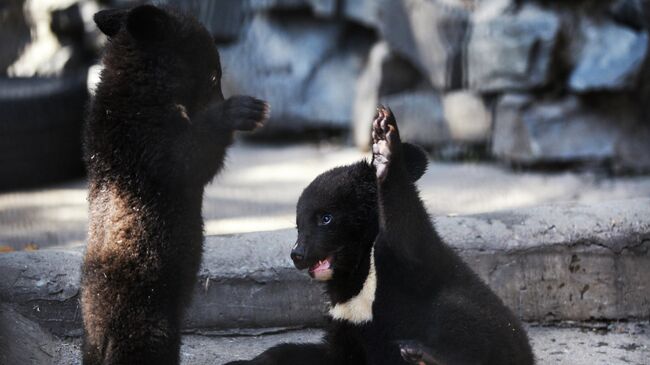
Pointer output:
399, 294
156, 134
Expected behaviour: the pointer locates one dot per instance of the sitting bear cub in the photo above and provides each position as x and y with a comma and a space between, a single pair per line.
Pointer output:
156, 134
399, 295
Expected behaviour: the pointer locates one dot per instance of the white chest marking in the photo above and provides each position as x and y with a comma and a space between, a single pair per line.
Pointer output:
358, 309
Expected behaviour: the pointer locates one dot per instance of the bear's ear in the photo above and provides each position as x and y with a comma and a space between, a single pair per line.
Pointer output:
415, 159
148, 23
110, 21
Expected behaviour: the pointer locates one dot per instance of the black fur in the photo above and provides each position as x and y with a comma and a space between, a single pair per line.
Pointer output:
156, 133
429, 307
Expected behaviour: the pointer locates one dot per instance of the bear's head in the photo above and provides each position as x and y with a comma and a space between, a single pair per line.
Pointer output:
338, 220
160, 53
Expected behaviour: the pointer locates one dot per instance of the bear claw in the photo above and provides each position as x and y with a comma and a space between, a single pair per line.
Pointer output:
414, 353
385, 139
247, 113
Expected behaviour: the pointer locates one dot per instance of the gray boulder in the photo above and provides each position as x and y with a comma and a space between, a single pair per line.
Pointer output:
223, 18
606, 56
511, 50
467, 117
324, 8
226, 19
430, 34
299, 66
366, 12
572, 129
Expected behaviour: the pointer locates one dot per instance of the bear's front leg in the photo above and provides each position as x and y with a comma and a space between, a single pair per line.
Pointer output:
237, 113
404, 224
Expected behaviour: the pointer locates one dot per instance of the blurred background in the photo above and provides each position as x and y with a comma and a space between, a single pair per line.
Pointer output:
519, 103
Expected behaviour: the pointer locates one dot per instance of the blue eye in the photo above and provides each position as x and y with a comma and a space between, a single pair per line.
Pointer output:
325, 219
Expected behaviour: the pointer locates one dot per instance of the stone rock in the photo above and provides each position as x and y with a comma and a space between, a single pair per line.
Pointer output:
226, 19
511, 50
365, 12
383, 74
489, 9
607, 56
329, 95
430, 34
530, 131
420, 117
572, 129
299, 66
467, 117
323, 8
223, 18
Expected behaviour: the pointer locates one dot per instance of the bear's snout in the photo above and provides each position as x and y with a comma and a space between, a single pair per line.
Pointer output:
298, 256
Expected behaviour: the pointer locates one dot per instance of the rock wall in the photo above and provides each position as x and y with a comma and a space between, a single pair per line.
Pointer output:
532, 82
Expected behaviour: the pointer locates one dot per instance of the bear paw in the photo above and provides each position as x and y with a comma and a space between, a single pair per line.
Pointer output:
246, 113
414, 353
385, 140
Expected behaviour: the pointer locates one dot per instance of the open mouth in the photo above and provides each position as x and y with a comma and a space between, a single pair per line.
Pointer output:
322, 270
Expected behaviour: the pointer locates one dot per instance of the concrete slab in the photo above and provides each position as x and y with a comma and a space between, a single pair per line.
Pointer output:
607, 345
558, 262
23, 341
574, 344
624, 344
44, 287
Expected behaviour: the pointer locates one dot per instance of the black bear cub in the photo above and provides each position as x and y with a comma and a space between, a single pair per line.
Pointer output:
156, 134
399, 295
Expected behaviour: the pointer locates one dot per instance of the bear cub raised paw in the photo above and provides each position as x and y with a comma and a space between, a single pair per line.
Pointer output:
156, 133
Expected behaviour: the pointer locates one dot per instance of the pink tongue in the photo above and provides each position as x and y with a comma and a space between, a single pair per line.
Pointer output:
321, 265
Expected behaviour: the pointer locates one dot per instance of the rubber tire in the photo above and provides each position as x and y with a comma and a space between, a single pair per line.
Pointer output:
40, 129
